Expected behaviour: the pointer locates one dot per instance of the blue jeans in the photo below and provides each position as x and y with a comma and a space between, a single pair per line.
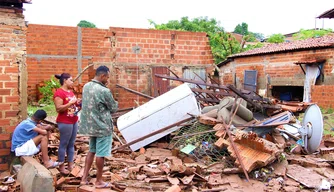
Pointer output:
68, 134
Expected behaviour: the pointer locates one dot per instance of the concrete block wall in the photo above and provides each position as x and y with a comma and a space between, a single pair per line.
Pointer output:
130, 54
13, 78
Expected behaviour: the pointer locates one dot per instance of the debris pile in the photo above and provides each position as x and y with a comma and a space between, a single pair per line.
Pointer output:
238, 137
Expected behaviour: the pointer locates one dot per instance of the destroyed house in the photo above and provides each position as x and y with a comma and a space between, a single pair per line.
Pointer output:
292, 71
133, 55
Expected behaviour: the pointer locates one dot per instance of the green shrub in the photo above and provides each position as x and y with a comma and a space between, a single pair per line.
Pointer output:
47, 90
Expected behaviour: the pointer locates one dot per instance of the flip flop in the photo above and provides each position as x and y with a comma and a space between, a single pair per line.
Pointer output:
106, 185
54, 164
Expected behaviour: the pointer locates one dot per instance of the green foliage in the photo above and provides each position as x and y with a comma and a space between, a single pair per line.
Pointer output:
276, 38
241, 29
86, 24
248, 36
222, 44
200, 24
305, 34
47, 90
250, 47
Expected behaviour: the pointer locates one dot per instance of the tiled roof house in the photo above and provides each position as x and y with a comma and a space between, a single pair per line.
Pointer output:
280, 69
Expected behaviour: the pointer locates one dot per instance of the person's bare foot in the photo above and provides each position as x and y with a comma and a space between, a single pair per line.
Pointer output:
52, 164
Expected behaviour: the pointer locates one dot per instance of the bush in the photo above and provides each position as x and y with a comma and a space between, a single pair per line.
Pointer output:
47, 90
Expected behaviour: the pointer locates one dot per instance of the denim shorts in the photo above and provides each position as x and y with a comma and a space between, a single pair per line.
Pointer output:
101, 146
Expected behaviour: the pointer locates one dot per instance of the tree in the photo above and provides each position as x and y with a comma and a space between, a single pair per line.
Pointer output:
248, 36
86, 24
222, 44
241, 29
305, 34
276, 38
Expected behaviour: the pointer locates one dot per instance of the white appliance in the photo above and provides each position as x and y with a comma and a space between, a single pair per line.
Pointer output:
169, 108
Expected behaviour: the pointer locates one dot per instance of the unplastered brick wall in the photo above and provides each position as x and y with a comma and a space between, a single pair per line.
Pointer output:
130, 54
323, 95
277, 69
12, 78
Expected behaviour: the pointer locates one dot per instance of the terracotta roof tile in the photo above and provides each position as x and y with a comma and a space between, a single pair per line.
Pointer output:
325, 41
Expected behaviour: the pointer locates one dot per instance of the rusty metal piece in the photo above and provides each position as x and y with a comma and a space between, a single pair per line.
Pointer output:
192, 81
240, 94
135, 92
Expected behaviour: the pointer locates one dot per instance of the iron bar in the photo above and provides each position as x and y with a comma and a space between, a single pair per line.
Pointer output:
192, 81
236, 91
211, 92
135, 92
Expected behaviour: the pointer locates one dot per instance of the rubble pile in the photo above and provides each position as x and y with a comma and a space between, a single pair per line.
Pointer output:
239, 142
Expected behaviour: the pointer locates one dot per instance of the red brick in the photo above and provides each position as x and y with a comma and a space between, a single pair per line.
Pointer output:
10, 129
11, 70
11, 85
4, 106
4, 166
8, 144
4, 137
4, 152
4, 77
4, 122
4, 91
11, 113
10, 99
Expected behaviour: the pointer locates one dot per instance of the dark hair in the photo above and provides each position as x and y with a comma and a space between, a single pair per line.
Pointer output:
40, 114
63, 77
101, 70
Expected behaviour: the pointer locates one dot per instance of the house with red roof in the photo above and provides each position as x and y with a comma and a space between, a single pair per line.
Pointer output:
301, 70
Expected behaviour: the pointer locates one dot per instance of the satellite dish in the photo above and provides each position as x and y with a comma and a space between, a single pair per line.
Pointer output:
312, 128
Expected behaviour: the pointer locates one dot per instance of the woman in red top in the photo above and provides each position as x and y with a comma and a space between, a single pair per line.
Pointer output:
67, 106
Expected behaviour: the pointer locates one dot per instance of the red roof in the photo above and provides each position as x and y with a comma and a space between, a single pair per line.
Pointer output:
325, 41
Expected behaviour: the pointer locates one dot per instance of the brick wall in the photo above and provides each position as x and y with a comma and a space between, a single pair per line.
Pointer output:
279, 67
12, 78
323, 95
130, 54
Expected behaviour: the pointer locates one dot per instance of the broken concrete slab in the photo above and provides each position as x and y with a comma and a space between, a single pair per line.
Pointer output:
35, 177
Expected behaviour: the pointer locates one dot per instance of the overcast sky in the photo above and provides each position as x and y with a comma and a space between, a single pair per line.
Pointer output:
262, 16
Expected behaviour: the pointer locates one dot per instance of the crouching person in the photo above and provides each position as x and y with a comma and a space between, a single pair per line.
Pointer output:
31, 136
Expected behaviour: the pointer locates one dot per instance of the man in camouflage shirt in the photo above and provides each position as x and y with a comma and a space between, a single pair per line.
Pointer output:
95, 121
